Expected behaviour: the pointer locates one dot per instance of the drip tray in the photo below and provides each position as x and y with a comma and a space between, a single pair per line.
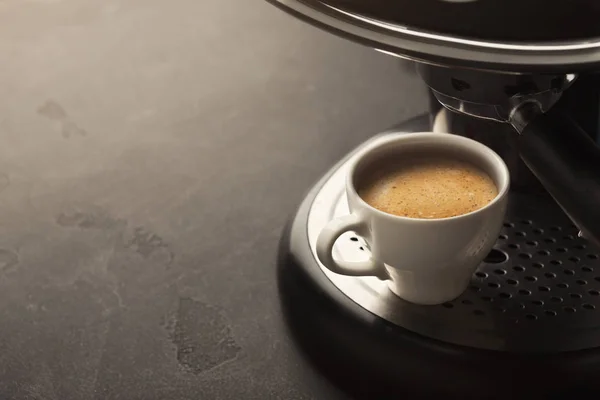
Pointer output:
537, 291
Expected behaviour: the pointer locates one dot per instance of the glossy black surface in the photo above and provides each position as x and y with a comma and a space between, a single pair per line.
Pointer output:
370, 358
488, 46
496, 20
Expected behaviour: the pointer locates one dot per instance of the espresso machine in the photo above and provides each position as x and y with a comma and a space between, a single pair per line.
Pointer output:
520, 77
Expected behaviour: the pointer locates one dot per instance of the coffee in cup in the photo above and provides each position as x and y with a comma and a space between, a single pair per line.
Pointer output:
428, 187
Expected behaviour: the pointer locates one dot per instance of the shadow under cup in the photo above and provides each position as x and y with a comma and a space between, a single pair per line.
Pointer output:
430, 261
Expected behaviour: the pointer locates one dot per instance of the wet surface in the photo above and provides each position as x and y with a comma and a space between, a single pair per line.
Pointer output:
151, 155
203, 337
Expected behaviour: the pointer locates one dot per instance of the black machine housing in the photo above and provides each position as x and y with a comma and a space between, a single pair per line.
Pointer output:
540, 288
520, 75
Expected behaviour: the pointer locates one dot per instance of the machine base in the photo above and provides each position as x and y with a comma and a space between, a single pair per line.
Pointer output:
527, 327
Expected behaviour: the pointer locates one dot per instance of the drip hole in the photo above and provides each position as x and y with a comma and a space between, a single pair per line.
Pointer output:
496, 257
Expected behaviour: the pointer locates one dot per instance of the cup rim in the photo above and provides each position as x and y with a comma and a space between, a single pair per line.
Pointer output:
431, 136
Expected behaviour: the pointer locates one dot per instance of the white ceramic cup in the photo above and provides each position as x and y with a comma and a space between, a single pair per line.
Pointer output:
425, 261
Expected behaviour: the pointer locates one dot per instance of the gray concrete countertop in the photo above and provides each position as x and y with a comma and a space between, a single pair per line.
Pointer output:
151, 153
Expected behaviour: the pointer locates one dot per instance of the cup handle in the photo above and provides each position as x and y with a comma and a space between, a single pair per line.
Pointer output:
327, 238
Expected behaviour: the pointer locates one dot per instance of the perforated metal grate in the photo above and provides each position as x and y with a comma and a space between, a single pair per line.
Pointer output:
538, 275
536, 272
537, 291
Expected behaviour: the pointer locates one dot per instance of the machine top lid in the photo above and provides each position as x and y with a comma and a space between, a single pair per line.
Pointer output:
508, 35
494, 20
